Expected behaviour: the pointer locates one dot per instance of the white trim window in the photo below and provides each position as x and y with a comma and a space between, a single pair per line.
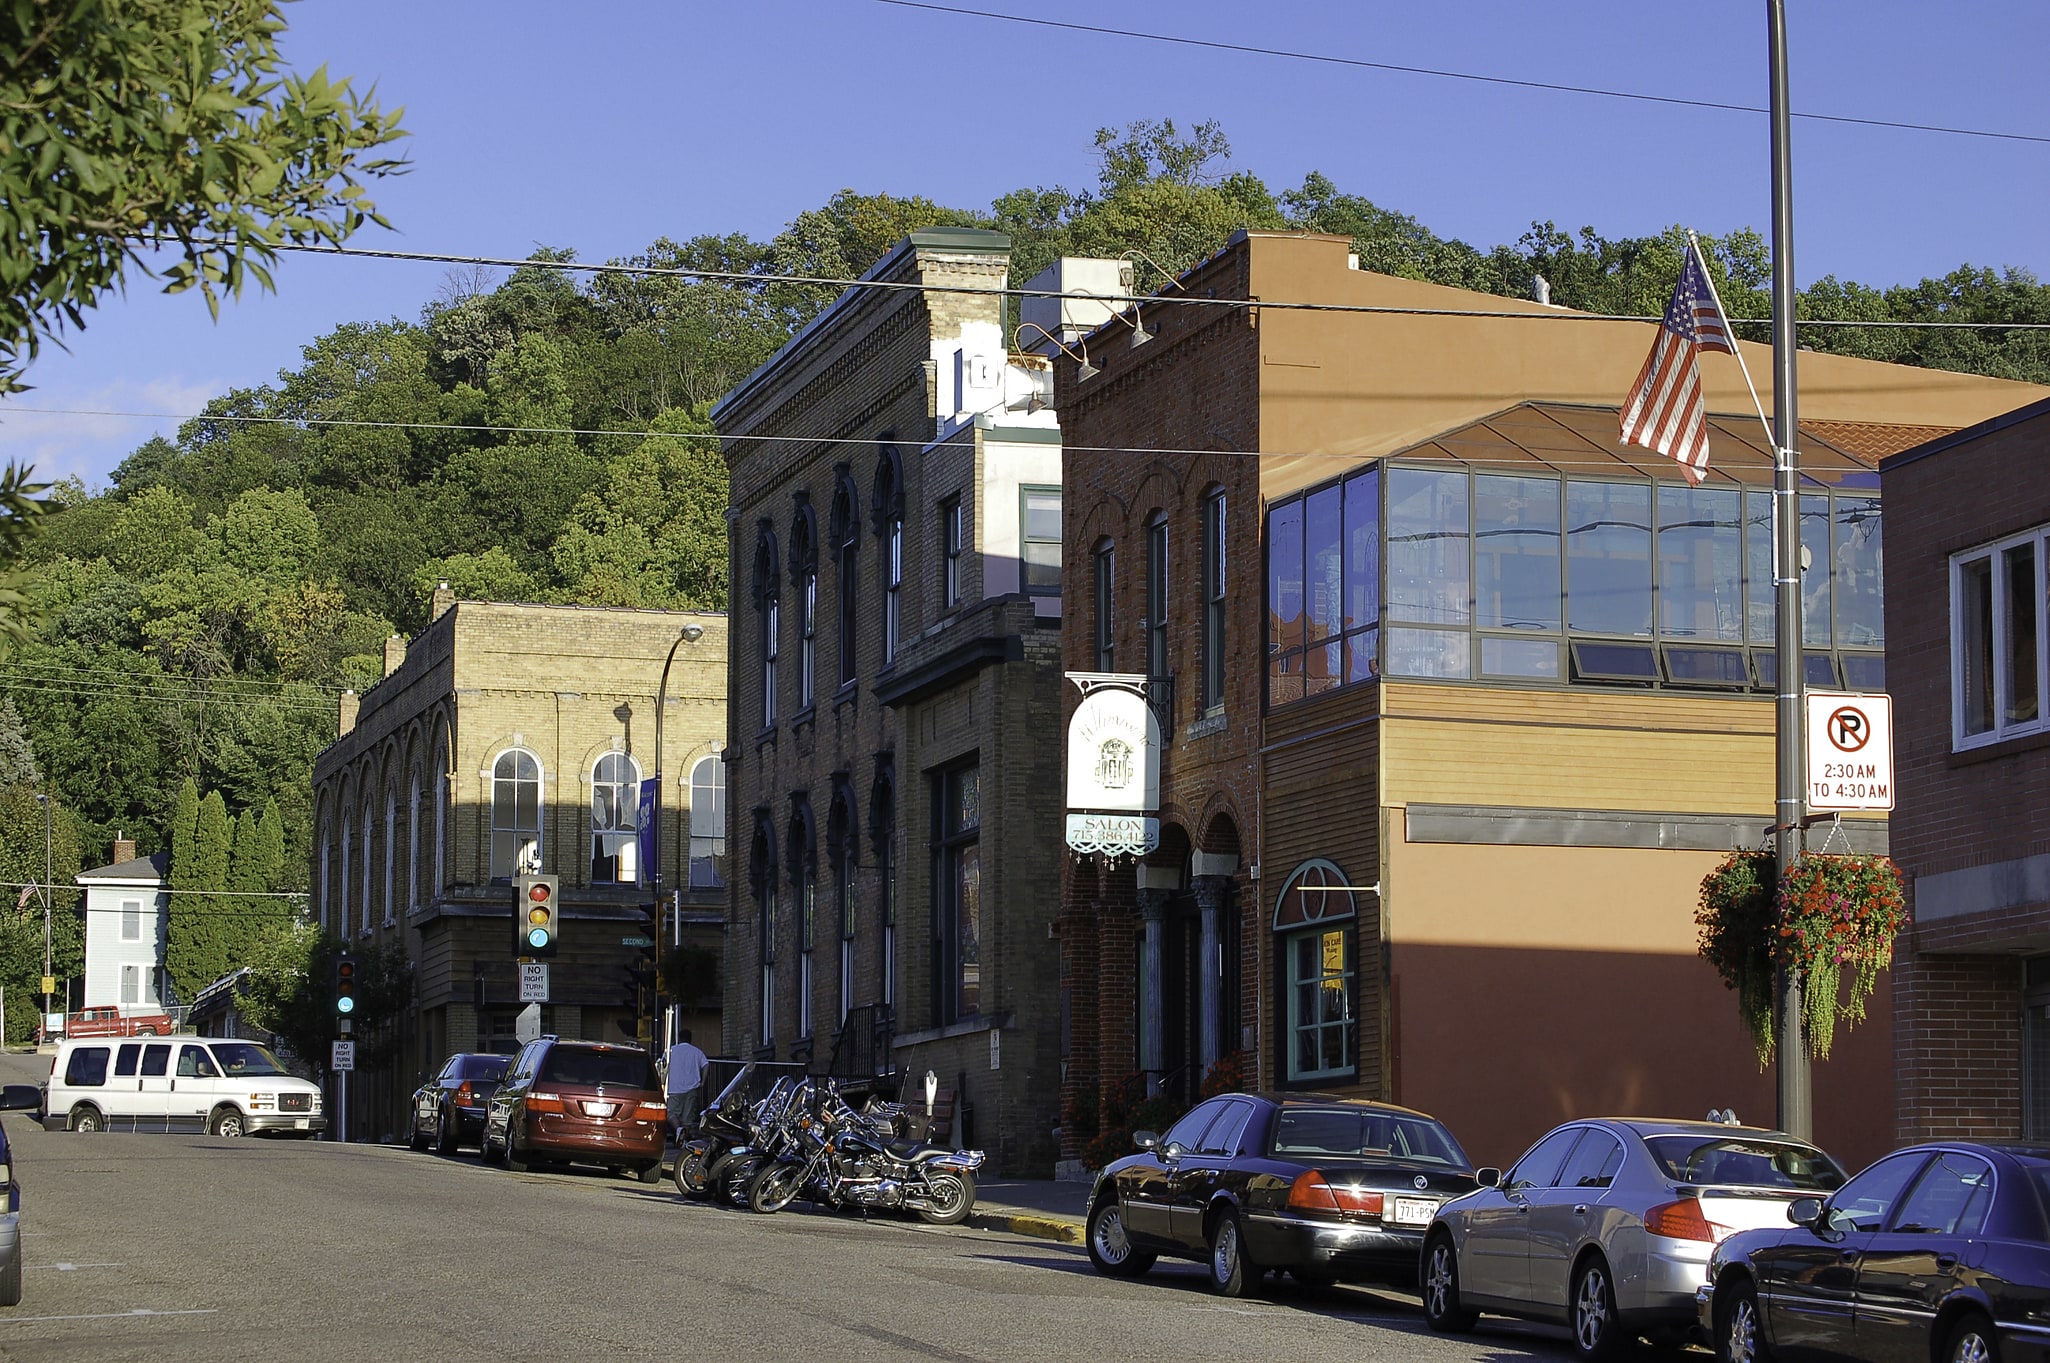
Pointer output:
515, 814
1999, 633
131, 984
131, 920
708, 823
615, 820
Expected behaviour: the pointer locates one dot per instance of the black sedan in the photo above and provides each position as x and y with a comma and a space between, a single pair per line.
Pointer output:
448, 1110
1326, 1188
1936, 1252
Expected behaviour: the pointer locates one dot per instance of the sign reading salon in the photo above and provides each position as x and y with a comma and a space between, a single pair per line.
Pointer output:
1113, 767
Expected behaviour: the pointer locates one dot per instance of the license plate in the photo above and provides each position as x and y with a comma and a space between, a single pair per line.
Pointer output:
302, 1124
1413, 1211
599, 1109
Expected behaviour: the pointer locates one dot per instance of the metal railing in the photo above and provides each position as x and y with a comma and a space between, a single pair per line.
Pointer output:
1160, 695
862, 1049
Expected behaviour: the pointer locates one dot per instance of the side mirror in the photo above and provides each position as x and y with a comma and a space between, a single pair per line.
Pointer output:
21, 1098
1145, 1140
1805, 1211
1488, 1176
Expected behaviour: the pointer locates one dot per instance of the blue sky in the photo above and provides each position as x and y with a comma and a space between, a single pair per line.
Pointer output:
603, 127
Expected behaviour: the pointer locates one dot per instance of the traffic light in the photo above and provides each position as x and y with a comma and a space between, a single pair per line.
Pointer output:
345, 985
536, 916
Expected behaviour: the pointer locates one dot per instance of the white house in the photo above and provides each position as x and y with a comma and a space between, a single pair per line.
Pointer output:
127, 911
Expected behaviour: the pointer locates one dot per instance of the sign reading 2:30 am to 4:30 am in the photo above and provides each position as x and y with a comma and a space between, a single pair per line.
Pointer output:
1850, 751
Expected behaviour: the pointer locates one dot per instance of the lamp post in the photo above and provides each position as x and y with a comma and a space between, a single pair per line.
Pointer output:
47, 887
689, 634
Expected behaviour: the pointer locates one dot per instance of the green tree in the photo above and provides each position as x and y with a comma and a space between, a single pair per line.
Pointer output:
128, 122
17, 753
245, 869
197, 950
270, 847
21, 911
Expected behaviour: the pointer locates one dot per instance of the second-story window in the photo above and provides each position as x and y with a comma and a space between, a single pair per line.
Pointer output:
950, 552
1039, 539
887, 512
1156, 597
708, 823
615, 820
515, 816
1213, 601
1106, 636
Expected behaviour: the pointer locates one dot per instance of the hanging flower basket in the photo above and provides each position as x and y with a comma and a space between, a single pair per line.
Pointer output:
1833, 919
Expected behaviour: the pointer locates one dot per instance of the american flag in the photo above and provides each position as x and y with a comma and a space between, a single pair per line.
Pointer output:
1664, 411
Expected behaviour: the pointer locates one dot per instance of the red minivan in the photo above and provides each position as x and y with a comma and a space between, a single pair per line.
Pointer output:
578, 1102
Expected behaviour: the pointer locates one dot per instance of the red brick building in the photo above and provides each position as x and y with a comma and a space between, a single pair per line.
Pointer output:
1968, 528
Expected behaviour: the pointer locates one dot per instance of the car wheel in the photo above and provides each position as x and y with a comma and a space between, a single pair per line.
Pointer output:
86, 1117
1442, 1311
1231, 1273
949, 1197
1111, 1251
228, 1121
10, 1280
1596, 1331
1971, 1341
1739, 1336
516, 1159
649, 1173
487, 1150
416, 1139
447, 1134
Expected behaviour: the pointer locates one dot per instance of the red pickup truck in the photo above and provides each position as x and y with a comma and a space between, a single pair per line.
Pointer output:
111, 1021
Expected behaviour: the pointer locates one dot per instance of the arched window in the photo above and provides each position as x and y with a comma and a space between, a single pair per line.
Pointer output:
1106, 635
391, 847
440, 778
804, 878
804, 577
413, 840
887, 509
708, 823
368, 824
1313, 919
882, 834
615, 820
342, 866
327, 856
845, 526
768, 618
762, 877
842, 851
1213, 601
515, 815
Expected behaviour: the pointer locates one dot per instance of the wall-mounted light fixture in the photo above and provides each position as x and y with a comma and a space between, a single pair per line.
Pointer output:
1087, 371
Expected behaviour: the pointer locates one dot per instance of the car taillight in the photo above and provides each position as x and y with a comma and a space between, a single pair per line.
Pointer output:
1312, 1192
463, 1097
1683, 1220
654, 1110
544, 1102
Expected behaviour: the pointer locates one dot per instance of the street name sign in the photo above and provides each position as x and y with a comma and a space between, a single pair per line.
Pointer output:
1850, 751
533, 982
344, 1057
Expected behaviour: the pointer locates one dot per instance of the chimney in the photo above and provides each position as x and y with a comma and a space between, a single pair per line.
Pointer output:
441, 602
350, 702
124, 849
394, 653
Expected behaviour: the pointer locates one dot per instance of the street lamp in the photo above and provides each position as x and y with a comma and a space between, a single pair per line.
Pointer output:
689, 634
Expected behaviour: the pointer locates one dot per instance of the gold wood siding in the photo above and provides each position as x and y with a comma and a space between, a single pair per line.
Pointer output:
1577, 750
1321, 799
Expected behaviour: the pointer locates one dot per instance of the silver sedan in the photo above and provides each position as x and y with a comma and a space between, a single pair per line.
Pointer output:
1606, 1225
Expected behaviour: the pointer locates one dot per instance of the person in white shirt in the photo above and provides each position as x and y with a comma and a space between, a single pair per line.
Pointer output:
686, 1079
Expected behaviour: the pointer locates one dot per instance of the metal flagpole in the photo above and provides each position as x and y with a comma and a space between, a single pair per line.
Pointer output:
1736, 346
1796, 1099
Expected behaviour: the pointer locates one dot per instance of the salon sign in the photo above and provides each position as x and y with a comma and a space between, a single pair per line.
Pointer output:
1113, 767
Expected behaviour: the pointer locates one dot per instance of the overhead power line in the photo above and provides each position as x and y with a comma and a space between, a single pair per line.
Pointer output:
1550, 314
1440, 73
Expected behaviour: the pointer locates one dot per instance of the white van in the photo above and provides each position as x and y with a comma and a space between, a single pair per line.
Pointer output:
178, 1083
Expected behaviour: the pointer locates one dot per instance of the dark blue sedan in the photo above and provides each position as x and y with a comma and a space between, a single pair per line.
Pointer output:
1325, 1188
1935, 1254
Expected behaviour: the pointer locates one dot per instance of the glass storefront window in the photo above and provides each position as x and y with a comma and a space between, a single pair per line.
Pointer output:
1608, 557
1319, 1004
1285, 579
1760, 608
1427, 548
1860, 574
1363, 550
1516, 552
1701, 590
1815, 584
1442, 653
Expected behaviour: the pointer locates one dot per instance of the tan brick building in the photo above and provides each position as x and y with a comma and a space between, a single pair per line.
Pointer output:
1968, 531
1460, 700
895, 679
506, 740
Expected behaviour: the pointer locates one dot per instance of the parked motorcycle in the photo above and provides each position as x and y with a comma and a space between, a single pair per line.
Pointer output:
839, 1157
728, 1131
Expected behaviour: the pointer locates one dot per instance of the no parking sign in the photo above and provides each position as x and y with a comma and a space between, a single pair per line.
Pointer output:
1850, 751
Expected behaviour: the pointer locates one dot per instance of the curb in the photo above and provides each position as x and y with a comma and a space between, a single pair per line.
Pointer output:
1039, 1225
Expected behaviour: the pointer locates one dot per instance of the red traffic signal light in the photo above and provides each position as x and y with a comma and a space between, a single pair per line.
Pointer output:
536, 916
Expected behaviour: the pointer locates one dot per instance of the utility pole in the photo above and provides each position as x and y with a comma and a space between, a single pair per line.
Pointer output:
689, 634
1796, 1115
48, 889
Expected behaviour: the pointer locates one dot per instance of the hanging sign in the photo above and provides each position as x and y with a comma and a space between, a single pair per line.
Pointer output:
1850, 751
1113, 767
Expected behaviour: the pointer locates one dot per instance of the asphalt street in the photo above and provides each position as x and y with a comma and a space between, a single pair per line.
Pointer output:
190, 1247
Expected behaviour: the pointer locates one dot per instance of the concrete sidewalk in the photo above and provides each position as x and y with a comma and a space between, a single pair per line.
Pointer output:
1037, 1207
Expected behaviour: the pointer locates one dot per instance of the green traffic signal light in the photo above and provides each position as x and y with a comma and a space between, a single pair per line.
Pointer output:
345, 985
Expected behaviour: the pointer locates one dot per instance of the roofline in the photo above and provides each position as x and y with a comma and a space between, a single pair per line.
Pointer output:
982, 242
1987, 427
